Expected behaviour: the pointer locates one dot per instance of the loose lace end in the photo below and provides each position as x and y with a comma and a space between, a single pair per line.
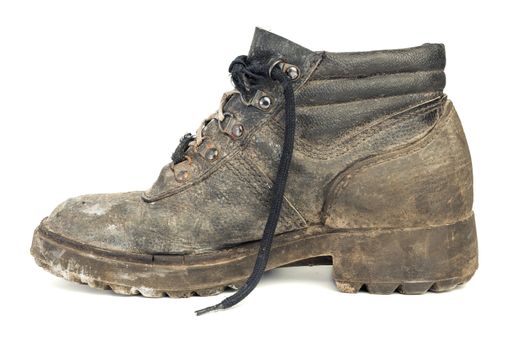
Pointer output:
209, 308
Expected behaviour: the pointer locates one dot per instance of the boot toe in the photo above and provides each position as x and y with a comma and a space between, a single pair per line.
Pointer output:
104, 221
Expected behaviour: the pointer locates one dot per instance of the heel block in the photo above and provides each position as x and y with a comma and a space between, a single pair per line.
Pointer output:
409, 288
408, 261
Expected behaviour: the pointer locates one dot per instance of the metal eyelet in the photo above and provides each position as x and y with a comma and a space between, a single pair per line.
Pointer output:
278, 62
212, 154
292, 72
182, 176
226, 116
265, 102
237, 131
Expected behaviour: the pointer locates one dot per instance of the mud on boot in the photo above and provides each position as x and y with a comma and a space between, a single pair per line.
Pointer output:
359, 158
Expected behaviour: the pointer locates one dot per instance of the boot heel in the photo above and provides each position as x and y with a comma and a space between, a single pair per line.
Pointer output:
410, 261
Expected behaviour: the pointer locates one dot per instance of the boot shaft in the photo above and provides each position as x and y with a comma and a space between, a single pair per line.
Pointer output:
355, 106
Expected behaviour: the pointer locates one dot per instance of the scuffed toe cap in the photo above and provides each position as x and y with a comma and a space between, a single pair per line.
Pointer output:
107, 221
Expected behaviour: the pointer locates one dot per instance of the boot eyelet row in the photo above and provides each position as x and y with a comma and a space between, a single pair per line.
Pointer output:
293, 72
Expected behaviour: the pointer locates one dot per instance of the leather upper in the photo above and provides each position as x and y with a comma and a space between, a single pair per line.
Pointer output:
349, 106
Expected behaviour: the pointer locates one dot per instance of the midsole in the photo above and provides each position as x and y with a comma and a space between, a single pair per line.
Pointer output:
429, 253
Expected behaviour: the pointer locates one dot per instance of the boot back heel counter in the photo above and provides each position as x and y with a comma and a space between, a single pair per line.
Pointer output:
418, 227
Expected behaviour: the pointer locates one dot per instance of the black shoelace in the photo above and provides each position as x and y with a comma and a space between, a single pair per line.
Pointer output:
247, 76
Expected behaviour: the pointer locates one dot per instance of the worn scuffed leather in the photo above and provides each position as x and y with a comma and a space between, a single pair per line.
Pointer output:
351, 107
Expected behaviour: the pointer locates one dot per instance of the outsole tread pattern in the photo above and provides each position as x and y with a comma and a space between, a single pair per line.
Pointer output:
409, 288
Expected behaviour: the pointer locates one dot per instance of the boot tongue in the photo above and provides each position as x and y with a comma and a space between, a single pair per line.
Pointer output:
264, 42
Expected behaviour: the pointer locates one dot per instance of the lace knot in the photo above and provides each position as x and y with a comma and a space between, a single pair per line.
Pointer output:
250, 74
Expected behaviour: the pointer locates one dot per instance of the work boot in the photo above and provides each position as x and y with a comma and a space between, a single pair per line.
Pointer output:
355, 159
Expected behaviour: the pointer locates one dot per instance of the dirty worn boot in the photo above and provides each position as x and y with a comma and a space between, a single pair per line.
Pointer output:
354, 159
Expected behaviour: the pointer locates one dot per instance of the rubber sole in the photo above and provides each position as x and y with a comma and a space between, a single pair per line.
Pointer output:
380, 261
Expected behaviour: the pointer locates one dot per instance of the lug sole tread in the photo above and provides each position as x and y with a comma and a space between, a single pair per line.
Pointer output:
134, 291
409, 288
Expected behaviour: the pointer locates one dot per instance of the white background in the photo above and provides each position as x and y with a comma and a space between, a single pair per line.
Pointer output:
94, 96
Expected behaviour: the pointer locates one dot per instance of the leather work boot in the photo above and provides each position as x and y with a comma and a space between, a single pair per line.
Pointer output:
355, 159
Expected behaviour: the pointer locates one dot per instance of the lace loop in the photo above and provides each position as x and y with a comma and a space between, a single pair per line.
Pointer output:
248, 76
195, 140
